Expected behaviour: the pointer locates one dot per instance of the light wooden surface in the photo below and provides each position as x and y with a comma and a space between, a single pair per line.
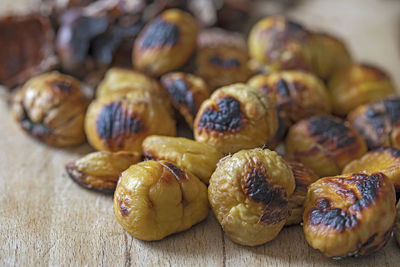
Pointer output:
46, 219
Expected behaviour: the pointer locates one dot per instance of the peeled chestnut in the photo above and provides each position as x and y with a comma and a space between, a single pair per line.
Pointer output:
350, 214
166, 42
118, 122
222, 58
100, 170
154, 199
296, 94
186, 92
51, 107
378, 122
198, 158
384, 159
324, 143
303, 178
249, 193
329, 55
236, 117
280, 43
357, 85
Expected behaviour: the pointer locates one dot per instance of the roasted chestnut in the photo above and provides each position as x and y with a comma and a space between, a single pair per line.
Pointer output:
118, 122
384, 159
296, 94
51, 107
249, 193
166, 42
357, 85
222, 58
329, 55
378, 122
236, 117
303, 177
186, 92
26, 48
324, 143
154, 199
350, 214
198, 158
100, 170
281, 44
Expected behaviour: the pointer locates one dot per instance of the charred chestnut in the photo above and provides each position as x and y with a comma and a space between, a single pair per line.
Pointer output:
325, 144
222, 58
118, 122
378, 122
280, 43
186, 92
154, 199
198, 158
249, 194
166, 42
384, 159
303, 178
357, 85
100, 170
236, 117
51, 107
350, 214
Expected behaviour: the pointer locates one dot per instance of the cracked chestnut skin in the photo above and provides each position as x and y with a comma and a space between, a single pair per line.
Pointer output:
236, 117
378, 122
357, 85
249, 194
198, 158
154, 199
166, 42
296, 94
186, 92
303, 177
350, 214
324, 143
121, 122
280, 44
51, 107
222, 58
100, 171
396, 229
384, 159
330, 55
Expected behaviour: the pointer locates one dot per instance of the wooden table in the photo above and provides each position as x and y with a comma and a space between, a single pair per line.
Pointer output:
46, 219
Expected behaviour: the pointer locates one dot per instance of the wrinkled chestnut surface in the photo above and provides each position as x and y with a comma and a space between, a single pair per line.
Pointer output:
349, 215
26, 48
249, 193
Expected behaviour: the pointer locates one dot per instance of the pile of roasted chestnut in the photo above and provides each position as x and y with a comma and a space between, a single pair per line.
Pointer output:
338, 175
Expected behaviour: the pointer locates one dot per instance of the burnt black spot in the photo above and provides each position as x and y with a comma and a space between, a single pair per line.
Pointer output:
393, 110
282, 88
295, 29
114, 122
159, 33
63, 86
328, 129
395, 152
123, 208
37, 129
258, 188
228, 117
376, 117
178, 173
339, 219
224, 63
180, 93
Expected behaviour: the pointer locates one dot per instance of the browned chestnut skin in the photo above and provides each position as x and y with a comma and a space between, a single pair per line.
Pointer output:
186, 92
379, 122
324, 143
26, 48
222, 58
51, 107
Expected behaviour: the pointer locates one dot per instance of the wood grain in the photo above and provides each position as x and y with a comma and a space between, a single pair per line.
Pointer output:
46, 219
